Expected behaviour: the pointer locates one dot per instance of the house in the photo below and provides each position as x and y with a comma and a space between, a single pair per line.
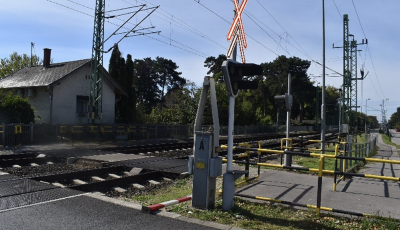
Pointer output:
59, 92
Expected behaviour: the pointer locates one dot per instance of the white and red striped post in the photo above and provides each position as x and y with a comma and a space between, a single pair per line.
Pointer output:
159, 206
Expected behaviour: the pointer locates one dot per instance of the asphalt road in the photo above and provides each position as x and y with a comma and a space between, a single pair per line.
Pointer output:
85, 212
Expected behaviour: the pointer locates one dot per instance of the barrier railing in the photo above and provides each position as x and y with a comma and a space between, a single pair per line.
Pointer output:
338, 155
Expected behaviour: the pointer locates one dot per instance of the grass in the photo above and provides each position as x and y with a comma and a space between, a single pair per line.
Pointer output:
264, 215
386, 140
179, 188
260, 215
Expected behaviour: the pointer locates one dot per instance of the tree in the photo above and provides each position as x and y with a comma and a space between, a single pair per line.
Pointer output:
167, 76
130, 89
16, 62
276, 79
146, 84
15, 109
214, 64
394, 121
183, 109
123, 72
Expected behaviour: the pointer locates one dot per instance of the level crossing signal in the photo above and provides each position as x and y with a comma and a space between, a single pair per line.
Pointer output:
237, 31
233, 76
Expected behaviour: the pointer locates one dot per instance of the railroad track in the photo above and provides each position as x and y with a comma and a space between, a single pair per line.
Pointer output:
46, 174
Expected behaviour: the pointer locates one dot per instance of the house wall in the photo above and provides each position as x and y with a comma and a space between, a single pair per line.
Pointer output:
65, 94
41, 104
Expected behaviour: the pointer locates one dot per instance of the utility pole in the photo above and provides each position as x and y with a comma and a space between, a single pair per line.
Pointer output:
95, 109
323, 111
317, 107
349, 87
366, 115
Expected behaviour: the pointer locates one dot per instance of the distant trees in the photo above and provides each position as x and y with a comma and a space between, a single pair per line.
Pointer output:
157, 93
394, 121
16, 62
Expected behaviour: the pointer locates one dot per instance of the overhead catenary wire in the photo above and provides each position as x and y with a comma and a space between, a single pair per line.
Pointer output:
373, 66
181, 24
70, 8
337, 9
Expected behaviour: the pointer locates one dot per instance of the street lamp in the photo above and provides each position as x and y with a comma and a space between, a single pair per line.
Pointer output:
366, 115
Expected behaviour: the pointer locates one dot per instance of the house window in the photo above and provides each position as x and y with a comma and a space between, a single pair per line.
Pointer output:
82, 104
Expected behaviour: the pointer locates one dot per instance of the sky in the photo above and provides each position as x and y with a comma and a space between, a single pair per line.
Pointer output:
192, 30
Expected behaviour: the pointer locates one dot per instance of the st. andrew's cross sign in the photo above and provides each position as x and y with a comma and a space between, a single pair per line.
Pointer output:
237, 31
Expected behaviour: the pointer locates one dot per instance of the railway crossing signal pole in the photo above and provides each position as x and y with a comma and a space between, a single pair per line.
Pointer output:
96, 76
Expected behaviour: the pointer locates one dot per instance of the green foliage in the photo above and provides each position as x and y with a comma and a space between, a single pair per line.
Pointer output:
215, 66
15, 109
181, 108
146, 84
394, 121
16, 62
276, 80
167, 76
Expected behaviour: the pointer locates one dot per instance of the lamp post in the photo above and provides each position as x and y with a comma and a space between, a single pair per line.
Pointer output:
366, 115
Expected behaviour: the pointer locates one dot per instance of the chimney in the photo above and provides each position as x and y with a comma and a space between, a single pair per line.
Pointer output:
46, 57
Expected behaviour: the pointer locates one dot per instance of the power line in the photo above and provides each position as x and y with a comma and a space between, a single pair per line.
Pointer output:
178, 22
202, 54
376, 75
266, 32
337, 9
70, 8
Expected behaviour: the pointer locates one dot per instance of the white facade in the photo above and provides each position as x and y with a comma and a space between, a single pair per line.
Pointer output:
63, 106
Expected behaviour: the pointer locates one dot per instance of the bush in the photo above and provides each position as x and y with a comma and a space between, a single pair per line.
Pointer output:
15, 109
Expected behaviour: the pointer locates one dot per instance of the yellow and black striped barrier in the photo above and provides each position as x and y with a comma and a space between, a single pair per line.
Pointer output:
76, 129
106, 129
63, 129
336, 156
290, 145
304, 205
323, 171
93, 129
18, 129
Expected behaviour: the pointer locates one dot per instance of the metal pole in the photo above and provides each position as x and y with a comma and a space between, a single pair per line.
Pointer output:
323, 112
230, 133
366, 116
228, 185
316, 107
340, 109
288, 157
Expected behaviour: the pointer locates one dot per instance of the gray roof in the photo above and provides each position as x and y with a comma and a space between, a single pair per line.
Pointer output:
39, 76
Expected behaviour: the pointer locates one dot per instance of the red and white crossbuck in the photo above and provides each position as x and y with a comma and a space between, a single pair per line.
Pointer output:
237, 31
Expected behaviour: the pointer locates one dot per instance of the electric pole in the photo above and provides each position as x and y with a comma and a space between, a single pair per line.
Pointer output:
96, 77
349, 87
95, 110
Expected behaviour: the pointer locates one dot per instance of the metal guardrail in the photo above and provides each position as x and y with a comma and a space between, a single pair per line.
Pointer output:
359, 150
